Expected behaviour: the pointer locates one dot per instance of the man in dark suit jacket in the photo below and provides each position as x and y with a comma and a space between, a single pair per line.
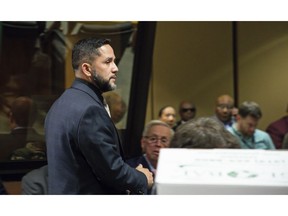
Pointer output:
156, 135
83, 147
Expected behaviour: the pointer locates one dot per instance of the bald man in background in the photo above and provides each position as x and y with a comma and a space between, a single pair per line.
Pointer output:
223, 110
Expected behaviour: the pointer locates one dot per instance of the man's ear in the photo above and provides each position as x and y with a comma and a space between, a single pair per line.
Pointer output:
86, 69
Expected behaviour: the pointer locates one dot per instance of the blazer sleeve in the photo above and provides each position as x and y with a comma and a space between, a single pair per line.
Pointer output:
97, 140
35, 182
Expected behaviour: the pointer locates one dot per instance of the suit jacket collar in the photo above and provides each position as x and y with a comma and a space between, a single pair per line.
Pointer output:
87, 87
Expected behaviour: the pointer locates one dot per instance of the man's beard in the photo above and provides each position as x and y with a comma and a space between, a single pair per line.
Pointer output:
103, 85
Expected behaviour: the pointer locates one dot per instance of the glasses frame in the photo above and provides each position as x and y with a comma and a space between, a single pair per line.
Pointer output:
184, 110
157, 139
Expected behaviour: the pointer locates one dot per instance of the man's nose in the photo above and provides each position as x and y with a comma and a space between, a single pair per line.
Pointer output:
115, 68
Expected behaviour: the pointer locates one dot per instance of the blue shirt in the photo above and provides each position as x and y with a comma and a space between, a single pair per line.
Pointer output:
259, 140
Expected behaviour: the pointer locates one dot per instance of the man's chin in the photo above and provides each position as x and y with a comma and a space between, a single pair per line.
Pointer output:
109, 88
113, 86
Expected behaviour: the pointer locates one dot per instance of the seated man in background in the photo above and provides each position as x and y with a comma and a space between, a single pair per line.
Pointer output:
245, 129
187, 111
167, 114
278, 129
156, 135
223, 110
22, 115
203, 133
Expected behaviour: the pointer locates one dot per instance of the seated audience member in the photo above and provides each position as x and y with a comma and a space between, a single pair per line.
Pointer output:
223, 110
245, 128
203, 133
35, 182
278, 129
156, 135
187, 111
167, 114
22, 116
2, 188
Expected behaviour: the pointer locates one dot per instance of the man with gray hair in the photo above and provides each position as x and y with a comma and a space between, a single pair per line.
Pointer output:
245, 129
156, 135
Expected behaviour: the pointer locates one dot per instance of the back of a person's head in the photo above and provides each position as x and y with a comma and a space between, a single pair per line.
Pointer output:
24, 111
203, 133
250, 108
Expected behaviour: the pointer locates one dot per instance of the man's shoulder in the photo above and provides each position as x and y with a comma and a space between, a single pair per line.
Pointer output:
261, 134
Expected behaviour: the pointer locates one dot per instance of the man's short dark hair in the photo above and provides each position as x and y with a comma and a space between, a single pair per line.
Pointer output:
86, 49
250, 108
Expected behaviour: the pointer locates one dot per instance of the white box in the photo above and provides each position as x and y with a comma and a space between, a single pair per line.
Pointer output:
222, 171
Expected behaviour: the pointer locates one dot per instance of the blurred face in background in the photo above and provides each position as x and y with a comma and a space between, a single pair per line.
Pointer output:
224, 107
168, 116
247, 125
187, 111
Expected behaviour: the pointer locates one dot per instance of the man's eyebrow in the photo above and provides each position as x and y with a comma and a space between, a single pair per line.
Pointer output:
109, 59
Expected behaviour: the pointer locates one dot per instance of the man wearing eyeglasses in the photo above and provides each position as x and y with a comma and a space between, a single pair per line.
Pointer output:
223, 110
156, 135
187, 111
